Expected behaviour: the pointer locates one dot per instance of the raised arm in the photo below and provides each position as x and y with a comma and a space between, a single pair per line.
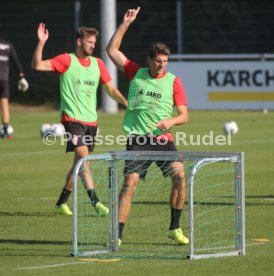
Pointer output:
114, 44
37, 59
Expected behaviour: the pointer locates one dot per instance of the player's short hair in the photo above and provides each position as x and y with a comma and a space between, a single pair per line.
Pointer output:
158, 48
86, 31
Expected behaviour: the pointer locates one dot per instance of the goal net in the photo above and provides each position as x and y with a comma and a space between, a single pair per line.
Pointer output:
212, 219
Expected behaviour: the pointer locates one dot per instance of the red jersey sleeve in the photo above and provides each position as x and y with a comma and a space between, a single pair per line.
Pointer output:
104, 75
131, 69
179, 94
60, 63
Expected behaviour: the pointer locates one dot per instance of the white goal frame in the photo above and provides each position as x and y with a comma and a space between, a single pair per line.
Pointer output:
201, 159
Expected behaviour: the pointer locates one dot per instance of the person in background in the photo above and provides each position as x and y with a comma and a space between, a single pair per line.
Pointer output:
8, 54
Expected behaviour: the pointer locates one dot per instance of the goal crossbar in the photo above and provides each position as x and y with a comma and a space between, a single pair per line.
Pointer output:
199, 161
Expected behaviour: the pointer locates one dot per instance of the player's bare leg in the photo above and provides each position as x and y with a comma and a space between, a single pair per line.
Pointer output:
87, 181
176, 202
178, 190
4, 103
61, 205
79, 153
127, 192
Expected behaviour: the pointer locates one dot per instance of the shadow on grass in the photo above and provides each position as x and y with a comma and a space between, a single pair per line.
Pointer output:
27, 214
32, 242
46, 248
260, 196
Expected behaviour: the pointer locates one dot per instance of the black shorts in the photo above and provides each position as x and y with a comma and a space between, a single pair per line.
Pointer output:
79, 135
143, 143
4, 89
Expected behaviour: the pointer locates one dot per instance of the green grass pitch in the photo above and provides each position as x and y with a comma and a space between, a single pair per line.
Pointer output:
35, 241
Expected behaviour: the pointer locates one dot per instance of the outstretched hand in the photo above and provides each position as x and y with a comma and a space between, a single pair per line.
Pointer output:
130, 15
42, 33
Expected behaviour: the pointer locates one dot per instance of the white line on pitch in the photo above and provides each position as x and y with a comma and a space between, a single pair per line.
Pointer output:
53, 265
257, 243
76, 263
231, 246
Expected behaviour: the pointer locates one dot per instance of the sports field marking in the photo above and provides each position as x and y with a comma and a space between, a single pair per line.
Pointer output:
82, 261
261, 240
101, 260
257, 242
53, 265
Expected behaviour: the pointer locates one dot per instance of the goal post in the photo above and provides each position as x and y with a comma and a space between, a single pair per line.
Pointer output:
213, 216
196, 252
